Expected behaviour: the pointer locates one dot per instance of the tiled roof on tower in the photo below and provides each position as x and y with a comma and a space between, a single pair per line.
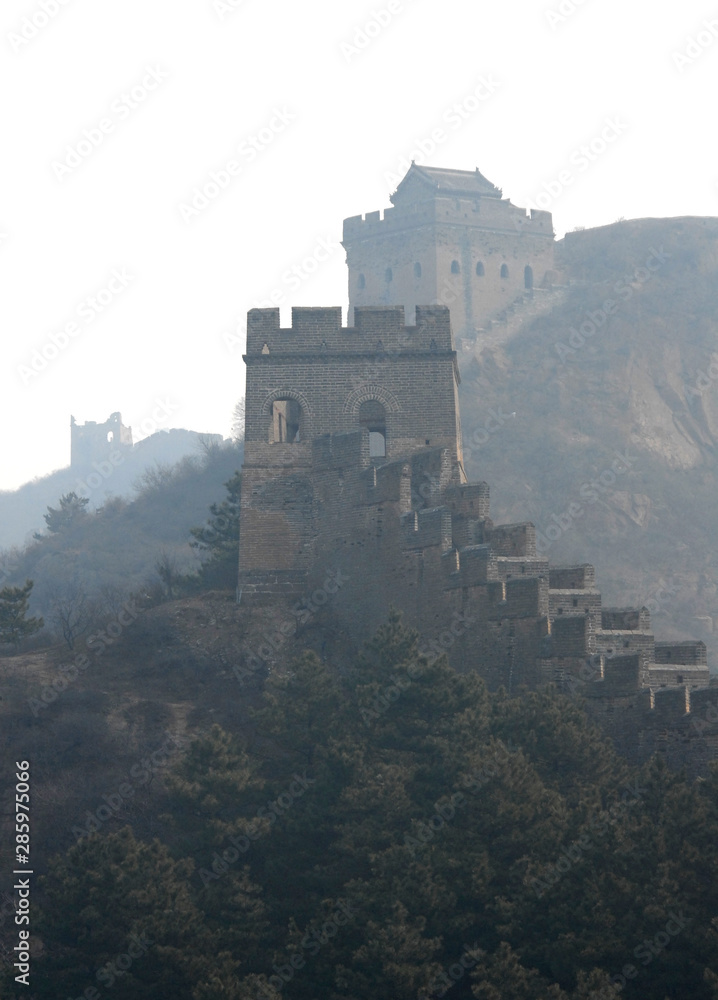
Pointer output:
442, 180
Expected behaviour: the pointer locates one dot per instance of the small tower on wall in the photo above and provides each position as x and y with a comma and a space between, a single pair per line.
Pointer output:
450, 239
394, 386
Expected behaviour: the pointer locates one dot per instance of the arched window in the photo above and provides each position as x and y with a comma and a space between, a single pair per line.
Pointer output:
417, 270
362, 281
372, 416
286, 421
110, 437
455, 269
480, 271
528, 276
389, 274
504, 270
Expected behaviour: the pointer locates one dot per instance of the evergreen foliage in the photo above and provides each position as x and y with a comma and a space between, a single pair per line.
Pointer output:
71, 509
218, 540
398, 833
14, 606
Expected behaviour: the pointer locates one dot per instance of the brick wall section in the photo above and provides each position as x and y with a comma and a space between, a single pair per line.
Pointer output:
681, 652
512, 567
573, 577
619, 619
572, 637
513, 540
677, 675
576, 602
621, 643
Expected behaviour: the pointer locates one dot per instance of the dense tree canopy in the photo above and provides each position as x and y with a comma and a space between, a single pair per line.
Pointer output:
398, 833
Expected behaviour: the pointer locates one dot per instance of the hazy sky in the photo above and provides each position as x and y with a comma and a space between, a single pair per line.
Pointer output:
115, 116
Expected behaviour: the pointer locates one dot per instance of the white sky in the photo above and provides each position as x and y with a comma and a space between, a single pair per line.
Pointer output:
174, 332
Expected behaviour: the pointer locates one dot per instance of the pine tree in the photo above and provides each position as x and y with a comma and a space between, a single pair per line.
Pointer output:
219, 539
14, 606
71, 509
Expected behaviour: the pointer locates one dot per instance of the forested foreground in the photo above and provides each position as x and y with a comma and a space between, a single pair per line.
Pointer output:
393, 834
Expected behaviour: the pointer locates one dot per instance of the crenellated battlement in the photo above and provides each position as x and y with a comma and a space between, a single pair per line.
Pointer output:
481, 213
378, 332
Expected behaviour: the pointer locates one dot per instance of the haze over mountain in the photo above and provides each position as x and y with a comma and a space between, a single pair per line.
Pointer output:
22, 510
620, 362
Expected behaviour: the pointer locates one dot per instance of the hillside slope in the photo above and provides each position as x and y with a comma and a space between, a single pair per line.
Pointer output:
625, 364
114, 550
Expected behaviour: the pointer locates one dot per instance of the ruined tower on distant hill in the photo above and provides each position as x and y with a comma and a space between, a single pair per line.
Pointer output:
93, 442
450, 239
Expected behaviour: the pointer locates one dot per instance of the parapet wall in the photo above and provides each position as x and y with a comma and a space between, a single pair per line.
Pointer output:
489, 213
693, 653
620, 619
377, 331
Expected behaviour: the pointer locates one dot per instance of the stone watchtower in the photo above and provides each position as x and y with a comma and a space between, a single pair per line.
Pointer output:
450, 239
394, 386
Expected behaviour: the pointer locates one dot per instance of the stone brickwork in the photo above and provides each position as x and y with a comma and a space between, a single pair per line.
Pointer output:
450, 238
396, 382
353, 468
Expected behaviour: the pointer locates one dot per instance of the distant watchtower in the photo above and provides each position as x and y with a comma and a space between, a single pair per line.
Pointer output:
450, 239
93, 442
396, 383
